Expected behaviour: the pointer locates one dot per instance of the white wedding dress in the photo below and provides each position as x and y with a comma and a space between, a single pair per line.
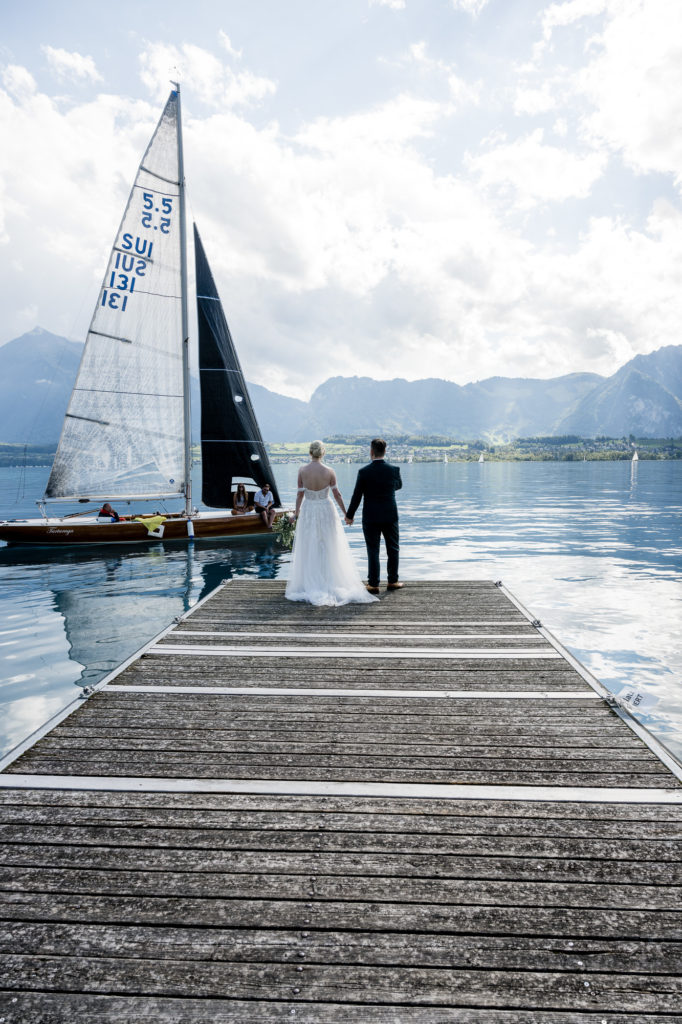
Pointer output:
323, 571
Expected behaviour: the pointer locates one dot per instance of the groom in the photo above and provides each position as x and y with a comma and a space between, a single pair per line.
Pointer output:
377, 484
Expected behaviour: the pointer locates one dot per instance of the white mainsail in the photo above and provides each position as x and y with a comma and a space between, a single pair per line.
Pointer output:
123, 436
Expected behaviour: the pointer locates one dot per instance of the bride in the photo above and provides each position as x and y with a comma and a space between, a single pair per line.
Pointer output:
322, 568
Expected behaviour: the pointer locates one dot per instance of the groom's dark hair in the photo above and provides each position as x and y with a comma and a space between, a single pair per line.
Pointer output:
378, 446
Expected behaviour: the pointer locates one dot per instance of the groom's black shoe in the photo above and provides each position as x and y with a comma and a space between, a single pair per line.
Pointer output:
395, 586
372, 590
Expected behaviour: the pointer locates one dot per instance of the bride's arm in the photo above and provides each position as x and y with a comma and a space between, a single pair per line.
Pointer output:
336, 492
299, 494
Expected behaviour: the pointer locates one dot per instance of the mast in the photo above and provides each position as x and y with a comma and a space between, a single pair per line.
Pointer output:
187, 421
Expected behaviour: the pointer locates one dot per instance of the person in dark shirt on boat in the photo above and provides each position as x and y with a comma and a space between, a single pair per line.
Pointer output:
107, 511
265, 505
240, 501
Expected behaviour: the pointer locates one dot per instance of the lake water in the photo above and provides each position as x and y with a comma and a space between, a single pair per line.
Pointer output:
593, 549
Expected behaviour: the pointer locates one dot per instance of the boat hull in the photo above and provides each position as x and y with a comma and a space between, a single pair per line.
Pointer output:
65, 532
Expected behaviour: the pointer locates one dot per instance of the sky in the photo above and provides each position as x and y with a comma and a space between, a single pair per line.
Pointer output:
385, 188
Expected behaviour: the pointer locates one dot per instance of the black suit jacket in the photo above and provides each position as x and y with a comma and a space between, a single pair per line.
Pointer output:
376, 484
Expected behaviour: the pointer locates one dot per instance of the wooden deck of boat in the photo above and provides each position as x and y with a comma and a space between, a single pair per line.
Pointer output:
412, 811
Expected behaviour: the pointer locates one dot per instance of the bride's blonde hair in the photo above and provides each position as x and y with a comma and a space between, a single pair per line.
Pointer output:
316, 449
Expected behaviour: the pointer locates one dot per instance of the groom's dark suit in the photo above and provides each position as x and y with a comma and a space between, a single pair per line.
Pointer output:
377, 484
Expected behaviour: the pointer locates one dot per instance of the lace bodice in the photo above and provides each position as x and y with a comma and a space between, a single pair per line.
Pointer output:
316, 495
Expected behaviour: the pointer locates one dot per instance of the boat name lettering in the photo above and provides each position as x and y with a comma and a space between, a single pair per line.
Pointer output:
61, 533
147, 217
143, 247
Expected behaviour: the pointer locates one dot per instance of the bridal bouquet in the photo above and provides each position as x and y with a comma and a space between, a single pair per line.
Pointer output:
285, 528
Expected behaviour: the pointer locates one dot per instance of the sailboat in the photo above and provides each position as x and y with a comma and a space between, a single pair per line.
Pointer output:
481, 458
126, 435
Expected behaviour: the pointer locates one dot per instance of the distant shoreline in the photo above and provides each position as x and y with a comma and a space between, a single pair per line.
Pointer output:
566, 448
425, 449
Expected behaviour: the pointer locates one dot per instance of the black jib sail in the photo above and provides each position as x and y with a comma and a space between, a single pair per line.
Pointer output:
232, 448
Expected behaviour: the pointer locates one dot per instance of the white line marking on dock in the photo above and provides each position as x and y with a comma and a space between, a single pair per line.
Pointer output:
421, 653
375, 634
277, 691
383, 621
436, 791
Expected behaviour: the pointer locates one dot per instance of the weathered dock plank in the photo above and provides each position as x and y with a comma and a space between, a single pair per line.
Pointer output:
154, 671
332, 983
415, 751
42, 1008
308, 914
225, 906
463, 863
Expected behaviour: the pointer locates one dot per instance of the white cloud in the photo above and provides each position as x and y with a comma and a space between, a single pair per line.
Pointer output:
470, 6
28, 317
461, 92
18, 81
212, 80
559, 15
395, 5
65, 174
633, 85
73, 66
531, 171
339, 247
226, 44
534, 101
618, 293
393, 123
625, 94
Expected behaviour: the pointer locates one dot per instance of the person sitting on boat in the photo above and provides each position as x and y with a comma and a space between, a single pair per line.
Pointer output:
107, 512
265, 505
240, 501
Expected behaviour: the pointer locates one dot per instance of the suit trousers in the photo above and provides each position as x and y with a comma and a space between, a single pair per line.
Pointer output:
391, 534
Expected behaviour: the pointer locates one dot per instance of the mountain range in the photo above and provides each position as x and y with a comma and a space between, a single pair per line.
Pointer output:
644, 398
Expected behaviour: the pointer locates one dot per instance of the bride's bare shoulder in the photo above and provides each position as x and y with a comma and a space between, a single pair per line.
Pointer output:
316, 476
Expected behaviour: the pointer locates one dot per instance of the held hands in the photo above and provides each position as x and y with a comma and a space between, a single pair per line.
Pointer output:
349, 522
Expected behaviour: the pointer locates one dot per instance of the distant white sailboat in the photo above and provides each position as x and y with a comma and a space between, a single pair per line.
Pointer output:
480, 458
445, 458
635, 457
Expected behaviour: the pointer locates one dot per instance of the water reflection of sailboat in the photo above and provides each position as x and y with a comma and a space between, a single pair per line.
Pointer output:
104, 626
111, 601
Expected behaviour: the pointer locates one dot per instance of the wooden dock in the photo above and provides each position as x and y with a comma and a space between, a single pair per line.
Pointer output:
421, 810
